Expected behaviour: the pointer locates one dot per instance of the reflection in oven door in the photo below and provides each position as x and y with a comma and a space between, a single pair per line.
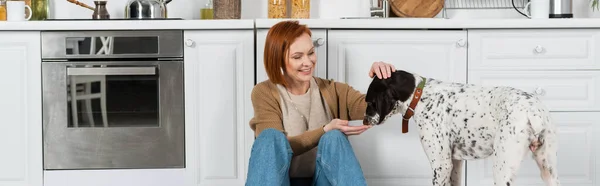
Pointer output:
126, 95
113, 115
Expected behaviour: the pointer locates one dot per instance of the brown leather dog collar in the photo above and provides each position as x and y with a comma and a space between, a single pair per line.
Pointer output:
413, 104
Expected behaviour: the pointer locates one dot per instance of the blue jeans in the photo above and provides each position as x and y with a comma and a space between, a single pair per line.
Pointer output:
336, 164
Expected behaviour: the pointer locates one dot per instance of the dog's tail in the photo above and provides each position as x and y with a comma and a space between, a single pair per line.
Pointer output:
543, 144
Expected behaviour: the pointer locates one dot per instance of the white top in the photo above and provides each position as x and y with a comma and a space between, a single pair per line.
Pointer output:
376, 23
128, 24
439, 23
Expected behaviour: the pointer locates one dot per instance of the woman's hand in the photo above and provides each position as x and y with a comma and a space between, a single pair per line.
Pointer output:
382, 70
342, 125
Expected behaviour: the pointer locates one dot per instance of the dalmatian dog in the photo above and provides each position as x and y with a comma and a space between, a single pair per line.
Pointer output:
466, 122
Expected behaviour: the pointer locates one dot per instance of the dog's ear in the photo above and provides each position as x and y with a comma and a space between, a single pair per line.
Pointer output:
401, 85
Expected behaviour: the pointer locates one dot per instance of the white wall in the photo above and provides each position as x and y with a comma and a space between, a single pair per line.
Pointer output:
251, 9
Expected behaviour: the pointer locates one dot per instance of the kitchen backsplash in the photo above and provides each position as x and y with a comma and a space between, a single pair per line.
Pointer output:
252, 9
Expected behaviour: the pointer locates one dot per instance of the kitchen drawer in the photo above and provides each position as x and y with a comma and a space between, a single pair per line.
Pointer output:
531, 49
559, 90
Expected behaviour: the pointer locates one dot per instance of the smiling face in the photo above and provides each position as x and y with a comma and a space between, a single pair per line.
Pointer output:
301, 59
386, 97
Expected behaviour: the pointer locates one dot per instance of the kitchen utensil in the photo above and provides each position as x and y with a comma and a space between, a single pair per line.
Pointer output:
14, 11
416, 8
537, 9
100, 11
561, 9
81, 4
146, 9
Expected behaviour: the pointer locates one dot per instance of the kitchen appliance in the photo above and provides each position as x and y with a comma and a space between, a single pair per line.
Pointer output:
561, 9
143, 9
100, 11
112, 99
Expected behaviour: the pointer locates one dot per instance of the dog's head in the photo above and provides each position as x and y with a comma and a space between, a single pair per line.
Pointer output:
386, 97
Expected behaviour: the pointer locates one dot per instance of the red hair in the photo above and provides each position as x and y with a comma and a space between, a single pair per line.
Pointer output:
277, 46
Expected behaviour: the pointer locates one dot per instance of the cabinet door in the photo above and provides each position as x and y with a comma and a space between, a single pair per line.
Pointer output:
21, 126
561, 91
578, 155
219, 73
319, 37
387, 156
534, 49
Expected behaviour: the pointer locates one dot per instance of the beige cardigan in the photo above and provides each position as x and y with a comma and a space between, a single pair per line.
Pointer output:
344, 103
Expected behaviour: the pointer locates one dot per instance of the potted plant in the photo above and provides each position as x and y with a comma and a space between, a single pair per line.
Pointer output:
595, 6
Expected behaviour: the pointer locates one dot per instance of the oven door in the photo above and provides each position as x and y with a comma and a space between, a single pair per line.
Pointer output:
100, 115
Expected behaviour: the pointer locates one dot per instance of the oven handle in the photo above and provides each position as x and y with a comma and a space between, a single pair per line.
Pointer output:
91, 71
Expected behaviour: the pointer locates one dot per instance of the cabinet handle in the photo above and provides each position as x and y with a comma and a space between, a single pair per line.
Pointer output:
539, 91
189, 43
539, 49
319, 42
461, 43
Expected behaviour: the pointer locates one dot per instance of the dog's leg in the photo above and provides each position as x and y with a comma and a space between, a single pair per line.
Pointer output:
510, 147
456, 172
545, 156
437, 148
442, 168
456, 176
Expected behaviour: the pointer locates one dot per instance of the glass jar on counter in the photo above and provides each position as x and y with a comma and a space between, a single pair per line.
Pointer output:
2, 10
277, 9
39, 9
300, 9
228, 9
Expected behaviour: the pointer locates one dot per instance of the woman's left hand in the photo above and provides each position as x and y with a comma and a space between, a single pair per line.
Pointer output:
382, 70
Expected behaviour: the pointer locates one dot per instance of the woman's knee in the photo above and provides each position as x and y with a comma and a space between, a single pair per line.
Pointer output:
333, 134
270, 134
271, 138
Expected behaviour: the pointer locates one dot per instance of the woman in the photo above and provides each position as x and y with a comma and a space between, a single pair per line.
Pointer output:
301, 121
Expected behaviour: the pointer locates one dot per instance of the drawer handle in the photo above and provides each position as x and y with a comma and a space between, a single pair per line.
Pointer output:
540, 91
461, 43
190, 43
318, 42
539, 49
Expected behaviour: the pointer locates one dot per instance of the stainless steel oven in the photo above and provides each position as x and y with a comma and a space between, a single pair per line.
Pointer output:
113, 99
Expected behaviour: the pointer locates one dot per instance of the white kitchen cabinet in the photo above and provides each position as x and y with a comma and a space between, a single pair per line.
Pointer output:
387, 156
578, 155
21, 113
535, 49
219, 71
561, 91
560, 66
319, 37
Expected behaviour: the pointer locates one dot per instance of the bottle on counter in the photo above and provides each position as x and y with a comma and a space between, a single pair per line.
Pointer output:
277, 9
2, 10
39, 9
300, 9
207, 12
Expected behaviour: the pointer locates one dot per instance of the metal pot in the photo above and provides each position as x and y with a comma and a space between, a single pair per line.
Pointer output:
146, 9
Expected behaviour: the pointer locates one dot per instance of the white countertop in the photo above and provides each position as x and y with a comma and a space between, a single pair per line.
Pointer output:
439, 23
391, 23
128, 24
